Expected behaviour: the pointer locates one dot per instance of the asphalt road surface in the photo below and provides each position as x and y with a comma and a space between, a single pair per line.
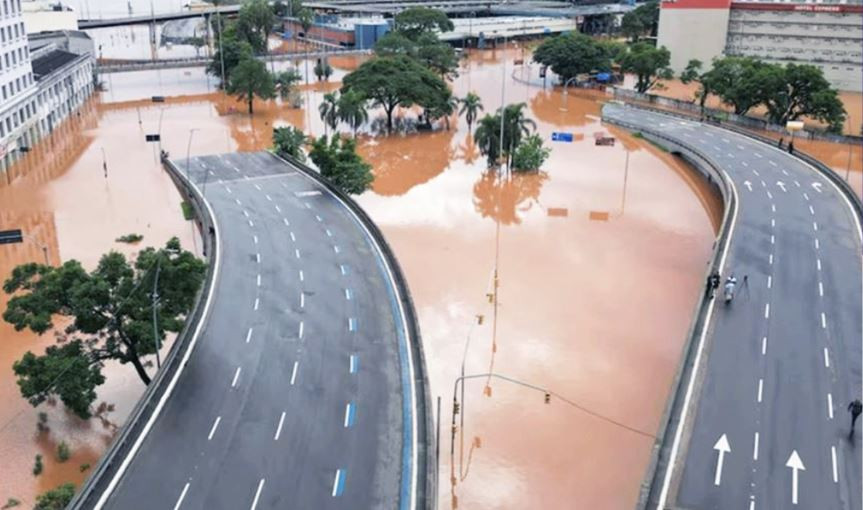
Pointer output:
293, 396
769, 427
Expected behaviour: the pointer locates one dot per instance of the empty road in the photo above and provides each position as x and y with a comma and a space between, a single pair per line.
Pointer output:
298, 391
767, 425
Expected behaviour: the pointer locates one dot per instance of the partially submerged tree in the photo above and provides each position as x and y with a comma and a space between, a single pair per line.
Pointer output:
255, 23
352, 110
329, 111
233, 51
339, 162
109, 312
648, 63
284, 82
249, 79
415, 21
288, 142
530, 154
390, 82
55, 499
471, 105
515, 127
571, 54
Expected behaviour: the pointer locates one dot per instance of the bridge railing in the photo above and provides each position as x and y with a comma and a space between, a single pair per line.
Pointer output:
669, 422
100, 479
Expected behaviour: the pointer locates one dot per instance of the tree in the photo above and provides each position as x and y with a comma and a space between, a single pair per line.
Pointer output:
415, 21
396, 81
329, 110
692, 73
738, 81
288, 142
487, 137
395, 43
284, 82
249, 79
323, 70
339, 162
443, 109
643, 20
530, 154
109, 312
471, 105
796, 91
571, 54
306, 17
427, 49
352, 110
233, 51
648, 63
255, 24
55, 499
515, 127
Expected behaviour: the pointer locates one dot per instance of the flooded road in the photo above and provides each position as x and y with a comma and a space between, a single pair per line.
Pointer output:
599, 258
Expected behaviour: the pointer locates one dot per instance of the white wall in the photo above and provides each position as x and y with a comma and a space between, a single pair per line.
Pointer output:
692, 33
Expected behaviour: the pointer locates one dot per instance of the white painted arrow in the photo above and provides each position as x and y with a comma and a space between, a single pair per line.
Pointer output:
722, 447
748, 185
817, 186
796, 465
781, 185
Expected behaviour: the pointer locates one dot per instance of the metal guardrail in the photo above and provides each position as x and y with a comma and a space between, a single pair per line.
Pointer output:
668, 423
96, 483
426, 465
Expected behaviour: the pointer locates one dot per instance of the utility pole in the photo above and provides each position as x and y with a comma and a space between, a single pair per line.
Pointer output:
502, 99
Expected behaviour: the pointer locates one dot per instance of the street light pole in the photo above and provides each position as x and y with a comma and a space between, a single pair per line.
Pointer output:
502, 99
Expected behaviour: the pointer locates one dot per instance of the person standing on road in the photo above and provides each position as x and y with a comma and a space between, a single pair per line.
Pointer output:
855, 408
713, 283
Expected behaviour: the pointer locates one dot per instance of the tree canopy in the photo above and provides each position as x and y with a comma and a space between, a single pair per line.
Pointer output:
250, 78
641, 21
352, 110
339, 163
109, 313
288, 142
234, 50
516, 126
396, 81
255, 24
426, 48
55, 499
571, 54
415, 21
648, 63
530, 154
796, 91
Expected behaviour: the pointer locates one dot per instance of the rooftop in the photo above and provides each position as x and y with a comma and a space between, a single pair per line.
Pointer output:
46, 64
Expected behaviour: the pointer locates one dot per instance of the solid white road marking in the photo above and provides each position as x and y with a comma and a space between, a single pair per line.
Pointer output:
821, 289
237, 200
830, 405
336, 482
797, 183
259, 280
329, 234
769, 195
826, 358
755, 448
772, 222
257, 187
302, 299
251, 224
773, 207
835, 469
255, 238
760, 389
236, 377
257, 302
245, 213
805, 196
268, 198
213, 428
772, 239
352, 324
767, 310
278, 209
348, 294
353, 365
301, 275
249, 335
257, 494
336, 248
722, 447
229, 189
815, 226
301, 329
258, 258
347, 414
823, 321
293, 237
771, 162
182, 496
811, 210
769, 279
297, 253
343, 269
770, 259
318, 218
279, 427
286, 222
818, 263
763, 345
294, 372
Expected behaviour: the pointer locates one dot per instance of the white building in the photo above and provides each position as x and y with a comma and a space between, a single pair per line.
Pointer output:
65, 81
46, 15
17, 86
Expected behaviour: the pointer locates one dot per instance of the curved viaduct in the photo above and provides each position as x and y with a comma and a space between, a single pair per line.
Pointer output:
759, 419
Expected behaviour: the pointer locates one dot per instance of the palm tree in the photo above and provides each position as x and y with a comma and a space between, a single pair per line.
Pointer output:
487, 136
450, 107
516, 126
471, 105
352, 110
329, 111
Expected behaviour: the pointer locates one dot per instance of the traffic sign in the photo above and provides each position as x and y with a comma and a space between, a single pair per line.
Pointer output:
153, 138
561, 137
11, 236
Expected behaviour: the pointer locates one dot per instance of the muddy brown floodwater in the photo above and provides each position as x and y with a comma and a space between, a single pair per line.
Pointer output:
599, 264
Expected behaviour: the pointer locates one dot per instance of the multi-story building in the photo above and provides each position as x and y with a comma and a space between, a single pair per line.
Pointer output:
827, 34
17, 87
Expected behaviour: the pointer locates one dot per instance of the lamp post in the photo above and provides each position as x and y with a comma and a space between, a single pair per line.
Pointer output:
565, 88
502, 98
189, 153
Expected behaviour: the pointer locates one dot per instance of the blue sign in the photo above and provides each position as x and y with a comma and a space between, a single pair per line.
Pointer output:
287, 34
561, 137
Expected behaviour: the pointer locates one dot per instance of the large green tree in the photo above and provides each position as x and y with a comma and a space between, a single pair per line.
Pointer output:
416, 21
427, 49
55, 499
339, 162
738, 81
249, 79
648, 63
641, 21
516, 126
796, 91
390, 82
108, 315
530, 154
255, 23
233, 51
571, 54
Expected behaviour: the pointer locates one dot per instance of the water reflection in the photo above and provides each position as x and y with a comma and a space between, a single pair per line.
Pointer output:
506, 198
402, 162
